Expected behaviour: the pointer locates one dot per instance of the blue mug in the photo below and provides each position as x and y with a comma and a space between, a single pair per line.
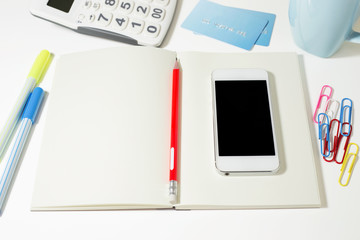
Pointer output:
321, 26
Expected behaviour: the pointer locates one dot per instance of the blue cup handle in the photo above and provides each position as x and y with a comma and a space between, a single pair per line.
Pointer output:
353, 37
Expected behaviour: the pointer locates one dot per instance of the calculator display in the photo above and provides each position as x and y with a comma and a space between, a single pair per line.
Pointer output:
62, 5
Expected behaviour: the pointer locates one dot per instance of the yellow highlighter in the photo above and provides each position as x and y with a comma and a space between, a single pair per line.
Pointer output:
35, 76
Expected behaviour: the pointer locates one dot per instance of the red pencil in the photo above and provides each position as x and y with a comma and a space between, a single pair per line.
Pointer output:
174, 135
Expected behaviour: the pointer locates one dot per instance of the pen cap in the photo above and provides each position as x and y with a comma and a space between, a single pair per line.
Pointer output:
33, 104
40, 65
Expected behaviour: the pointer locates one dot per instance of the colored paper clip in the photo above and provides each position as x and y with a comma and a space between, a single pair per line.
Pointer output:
324, 134
337, 144
320, 108
332, 108
334, 134
345, 135
348, 156
345, 111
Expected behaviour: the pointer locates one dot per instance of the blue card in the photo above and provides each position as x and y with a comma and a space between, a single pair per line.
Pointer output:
239, 27
264, 39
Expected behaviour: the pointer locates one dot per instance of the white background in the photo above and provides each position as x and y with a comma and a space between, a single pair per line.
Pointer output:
23, 36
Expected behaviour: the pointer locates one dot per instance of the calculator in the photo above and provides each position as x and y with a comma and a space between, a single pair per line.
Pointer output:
138, 22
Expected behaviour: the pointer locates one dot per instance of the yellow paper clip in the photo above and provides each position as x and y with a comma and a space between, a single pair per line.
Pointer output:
347, 157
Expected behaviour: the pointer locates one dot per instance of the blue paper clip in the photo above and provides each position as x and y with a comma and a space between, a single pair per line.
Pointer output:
323, 124
343, 119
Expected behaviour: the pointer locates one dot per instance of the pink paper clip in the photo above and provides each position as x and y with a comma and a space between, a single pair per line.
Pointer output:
321, 108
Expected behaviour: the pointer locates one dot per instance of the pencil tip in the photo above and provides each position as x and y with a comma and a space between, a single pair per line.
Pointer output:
176, 64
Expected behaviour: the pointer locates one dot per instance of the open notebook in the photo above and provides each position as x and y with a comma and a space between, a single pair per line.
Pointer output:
107, 134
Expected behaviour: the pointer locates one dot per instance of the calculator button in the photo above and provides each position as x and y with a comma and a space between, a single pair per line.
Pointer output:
95, 6
141, 10
152, 30
104, 19
81, 18
120, 22
91, 18
136, 26
126, 7
87, 4
110, 4
162, 2
157, 14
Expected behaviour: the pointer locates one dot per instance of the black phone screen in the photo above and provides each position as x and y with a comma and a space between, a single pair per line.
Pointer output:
243, 118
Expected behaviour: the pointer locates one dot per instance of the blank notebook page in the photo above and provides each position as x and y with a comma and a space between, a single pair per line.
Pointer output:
107, 134
295, 185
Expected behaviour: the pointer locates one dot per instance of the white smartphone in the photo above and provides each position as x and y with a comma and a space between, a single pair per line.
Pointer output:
244, 131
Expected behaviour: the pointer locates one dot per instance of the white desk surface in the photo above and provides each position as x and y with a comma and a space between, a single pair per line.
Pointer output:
23, 36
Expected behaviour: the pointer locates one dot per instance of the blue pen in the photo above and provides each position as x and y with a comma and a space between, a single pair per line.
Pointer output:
27, 121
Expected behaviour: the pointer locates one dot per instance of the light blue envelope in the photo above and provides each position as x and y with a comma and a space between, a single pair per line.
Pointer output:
239, 27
